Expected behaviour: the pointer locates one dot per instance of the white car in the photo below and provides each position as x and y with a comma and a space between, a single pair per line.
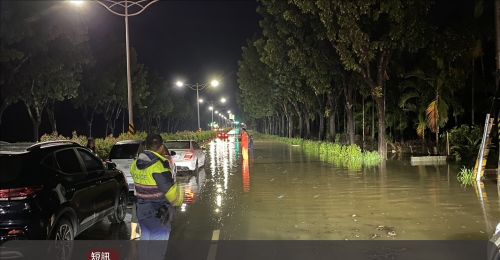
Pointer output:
189, 156
123, 154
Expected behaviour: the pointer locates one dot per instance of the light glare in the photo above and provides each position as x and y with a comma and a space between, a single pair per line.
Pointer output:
76, 2
214, 83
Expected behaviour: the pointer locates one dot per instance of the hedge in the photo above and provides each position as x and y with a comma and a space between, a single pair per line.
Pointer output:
104, 145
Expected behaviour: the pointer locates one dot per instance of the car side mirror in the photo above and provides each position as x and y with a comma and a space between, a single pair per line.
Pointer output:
111, 165
172, 153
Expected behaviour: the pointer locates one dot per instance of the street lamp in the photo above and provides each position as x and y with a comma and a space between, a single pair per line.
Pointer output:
223, 100
126, 9
211, 108
77, 2
197, 87
214, 83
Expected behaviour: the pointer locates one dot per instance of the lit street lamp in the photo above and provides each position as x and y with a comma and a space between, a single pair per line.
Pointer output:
211, 108
126, 9
197, 87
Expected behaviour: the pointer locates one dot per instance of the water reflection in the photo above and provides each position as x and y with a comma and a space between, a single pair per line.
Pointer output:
192, 186
224, 157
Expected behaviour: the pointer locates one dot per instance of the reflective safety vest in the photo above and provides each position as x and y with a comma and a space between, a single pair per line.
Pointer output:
146, 188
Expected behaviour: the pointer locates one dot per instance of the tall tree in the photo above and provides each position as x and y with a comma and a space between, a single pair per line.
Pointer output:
366, 35
45, 58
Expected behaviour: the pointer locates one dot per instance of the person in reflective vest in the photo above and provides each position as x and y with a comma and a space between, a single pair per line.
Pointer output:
156, 190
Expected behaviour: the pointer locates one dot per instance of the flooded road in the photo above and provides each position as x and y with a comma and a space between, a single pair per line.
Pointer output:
279, 193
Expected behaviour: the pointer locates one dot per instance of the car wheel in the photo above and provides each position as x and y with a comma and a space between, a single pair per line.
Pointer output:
64, 230
121, 209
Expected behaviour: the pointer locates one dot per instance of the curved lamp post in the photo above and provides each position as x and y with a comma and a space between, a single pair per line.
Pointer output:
198, 87
126, 9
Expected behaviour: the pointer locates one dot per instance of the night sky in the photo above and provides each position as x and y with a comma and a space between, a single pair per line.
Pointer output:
190, 40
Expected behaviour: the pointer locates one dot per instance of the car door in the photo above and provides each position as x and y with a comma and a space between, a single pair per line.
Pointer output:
106, 184
77, 188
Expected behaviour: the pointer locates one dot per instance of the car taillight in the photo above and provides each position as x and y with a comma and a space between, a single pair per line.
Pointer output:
188, 156
16, 232
18, 193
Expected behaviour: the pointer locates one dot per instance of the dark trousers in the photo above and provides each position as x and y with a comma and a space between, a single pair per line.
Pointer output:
151, 226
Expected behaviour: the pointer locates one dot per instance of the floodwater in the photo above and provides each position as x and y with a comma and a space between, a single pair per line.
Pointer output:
279, 193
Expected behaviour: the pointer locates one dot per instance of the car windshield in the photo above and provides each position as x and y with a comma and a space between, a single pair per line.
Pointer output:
124, 151
173, 145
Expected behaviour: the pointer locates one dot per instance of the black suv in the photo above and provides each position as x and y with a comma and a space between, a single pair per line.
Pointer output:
56, 190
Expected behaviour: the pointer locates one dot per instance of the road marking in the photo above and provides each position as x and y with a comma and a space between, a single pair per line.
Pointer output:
215, 235
212, 251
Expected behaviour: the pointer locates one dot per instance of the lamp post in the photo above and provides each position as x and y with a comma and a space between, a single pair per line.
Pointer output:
211, 108
126, 9
198, 87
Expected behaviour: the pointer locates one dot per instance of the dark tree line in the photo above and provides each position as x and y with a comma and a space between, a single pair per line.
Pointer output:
368, 71
48, 57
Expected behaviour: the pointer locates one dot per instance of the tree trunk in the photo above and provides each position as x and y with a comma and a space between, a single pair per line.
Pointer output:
290, 126
307, 121
51, 116
321, 132
382, 146
36, 120
373, 121
301, 125
363, 125
36, 115
301, 121
321, 114
348, 89
333, 130
36, 127
472, 90
282, 126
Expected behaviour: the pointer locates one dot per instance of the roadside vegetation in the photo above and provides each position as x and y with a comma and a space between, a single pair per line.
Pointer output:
348, 156
377, 73
465, 141
103, 145
466, 176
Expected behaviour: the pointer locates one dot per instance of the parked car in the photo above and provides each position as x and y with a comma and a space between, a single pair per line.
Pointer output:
123, 154
222, 135
189, 156
56, 190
